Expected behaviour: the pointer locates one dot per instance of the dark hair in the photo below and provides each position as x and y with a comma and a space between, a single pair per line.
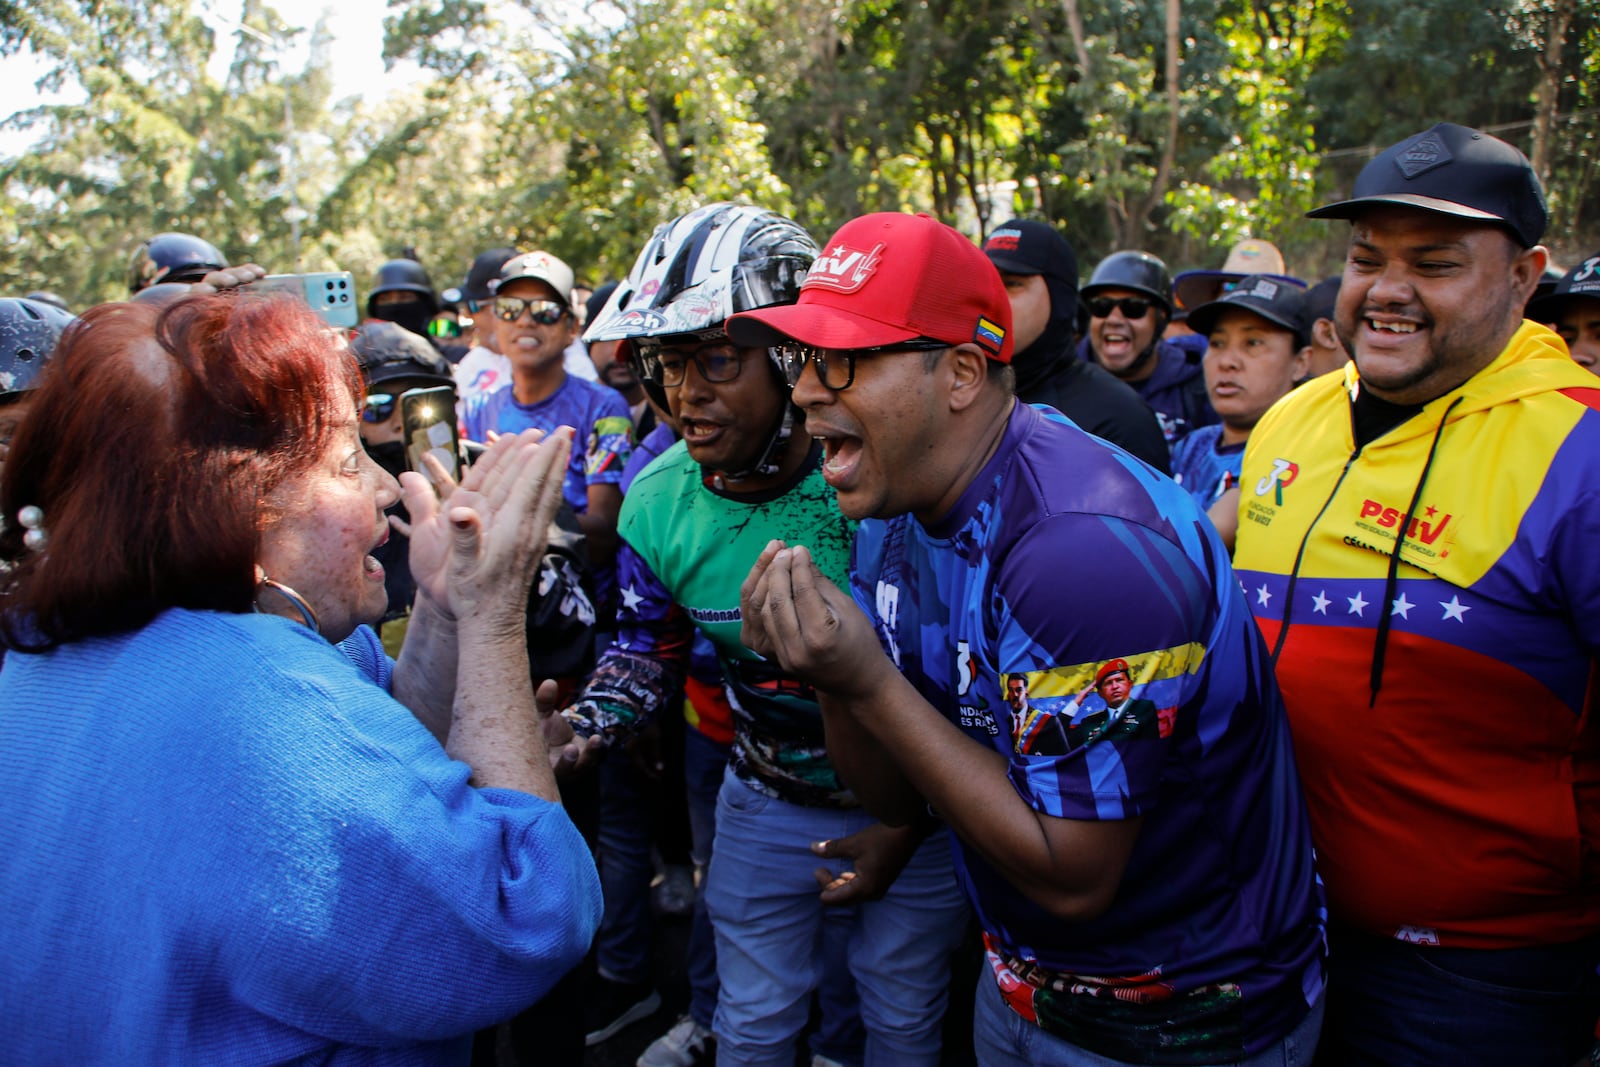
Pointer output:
152, 445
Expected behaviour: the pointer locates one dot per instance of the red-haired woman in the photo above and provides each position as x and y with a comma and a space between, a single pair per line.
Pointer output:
229, 833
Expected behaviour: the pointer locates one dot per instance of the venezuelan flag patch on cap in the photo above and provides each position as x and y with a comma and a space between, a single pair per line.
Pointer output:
989, 334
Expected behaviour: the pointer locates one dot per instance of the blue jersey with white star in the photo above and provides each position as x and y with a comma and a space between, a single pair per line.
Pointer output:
1067, 560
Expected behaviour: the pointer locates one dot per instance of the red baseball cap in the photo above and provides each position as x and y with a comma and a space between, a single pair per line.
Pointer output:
890, 277
1112, 667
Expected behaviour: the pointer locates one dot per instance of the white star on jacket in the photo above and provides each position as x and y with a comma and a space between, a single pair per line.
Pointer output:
631, 599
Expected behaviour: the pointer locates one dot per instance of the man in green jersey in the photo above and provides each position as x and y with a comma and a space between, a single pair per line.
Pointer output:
692, 524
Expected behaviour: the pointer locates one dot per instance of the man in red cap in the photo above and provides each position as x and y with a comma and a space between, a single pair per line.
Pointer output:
1417, 540
993, 536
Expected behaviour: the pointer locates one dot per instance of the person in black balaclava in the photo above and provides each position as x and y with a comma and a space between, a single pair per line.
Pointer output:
1040, 272
402, 293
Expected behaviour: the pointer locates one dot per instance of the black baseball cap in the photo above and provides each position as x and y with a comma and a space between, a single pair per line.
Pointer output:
485, 269
1452, 170
1321, 299
1582, 280
1024, 246
1270, 297
1027, 246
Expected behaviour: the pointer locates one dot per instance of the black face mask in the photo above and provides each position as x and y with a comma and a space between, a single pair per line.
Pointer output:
412, 315
391, 456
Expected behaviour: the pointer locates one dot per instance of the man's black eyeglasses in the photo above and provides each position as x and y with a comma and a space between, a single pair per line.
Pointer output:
1133, 307
544, 312
718, 360
836, 367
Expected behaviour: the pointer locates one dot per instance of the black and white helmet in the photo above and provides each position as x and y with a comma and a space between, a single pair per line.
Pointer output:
694, 272
700, 268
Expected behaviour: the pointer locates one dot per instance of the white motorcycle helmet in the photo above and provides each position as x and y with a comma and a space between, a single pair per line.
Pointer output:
694, 273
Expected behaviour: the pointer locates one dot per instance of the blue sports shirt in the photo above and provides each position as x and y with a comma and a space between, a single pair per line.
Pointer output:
598, 412
1066, 561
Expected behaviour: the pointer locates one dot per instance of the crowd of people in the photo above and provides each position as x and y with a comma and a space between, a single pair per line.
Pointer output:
1205, 663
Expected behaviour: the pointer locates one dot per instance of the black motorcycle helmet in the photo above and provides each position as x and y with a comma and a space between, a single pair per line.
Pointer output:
172, 257
1139, 272
403, 276
29, 330
387, 351
45, 296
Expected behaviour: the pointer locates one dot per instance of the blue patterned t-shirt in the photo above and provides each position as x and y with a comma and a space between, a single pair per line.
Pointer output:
1066, 561
1204, 466
598, 412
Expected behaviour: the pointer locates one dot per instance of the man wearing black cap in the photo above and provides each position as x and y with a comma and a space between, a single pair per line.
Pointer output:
1041, 275
1327, 351
1417, 542
483, 369
1255, 353
1572, 309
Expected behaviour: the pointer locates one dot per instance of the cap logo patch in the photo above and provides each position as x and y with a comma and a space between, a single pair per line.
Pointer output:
1422, 155
1003, 241
843, 269
1264, 289
989, 334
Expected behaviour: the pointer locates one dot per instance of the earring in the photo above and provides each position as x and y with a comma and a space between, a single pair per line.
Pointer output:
32, 519
308, 616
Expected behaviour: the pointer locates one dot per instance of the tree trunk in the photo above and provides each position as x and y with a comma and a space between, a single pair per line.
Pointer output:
1075, 24
1169, 149
1561, 13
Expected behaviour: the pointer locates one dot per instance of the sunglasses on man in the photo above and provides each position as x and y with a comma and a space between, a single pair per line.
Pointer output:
1132, 307
543, 312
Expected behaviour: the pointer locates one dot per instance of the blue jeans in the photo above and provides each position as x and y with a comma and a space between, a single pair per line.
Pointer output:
1400, 1004
704, 762
622, 947
768, 917
838, 1035
1002, 1037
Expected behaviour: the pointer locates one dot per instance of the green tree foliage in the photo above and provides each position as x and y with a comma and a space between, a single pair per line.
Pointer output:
155, 143
1173, 125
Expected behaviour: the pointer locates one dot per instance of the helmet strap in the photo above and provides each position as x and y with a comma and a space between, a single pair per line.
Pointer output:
771, 461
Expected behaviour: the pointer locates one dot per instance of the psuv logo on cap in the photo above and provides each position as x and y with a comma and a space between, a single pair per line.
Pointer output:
843, 269
1422, 155
989, 334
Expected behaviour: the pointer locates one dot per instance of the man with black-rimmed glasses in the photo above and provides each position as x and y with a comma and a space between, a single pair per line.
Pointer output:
796, 859
1145, 889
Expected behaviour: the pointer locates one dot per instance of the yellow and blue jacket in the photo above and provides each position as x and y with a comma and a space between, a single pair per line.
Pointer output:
1432, 604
